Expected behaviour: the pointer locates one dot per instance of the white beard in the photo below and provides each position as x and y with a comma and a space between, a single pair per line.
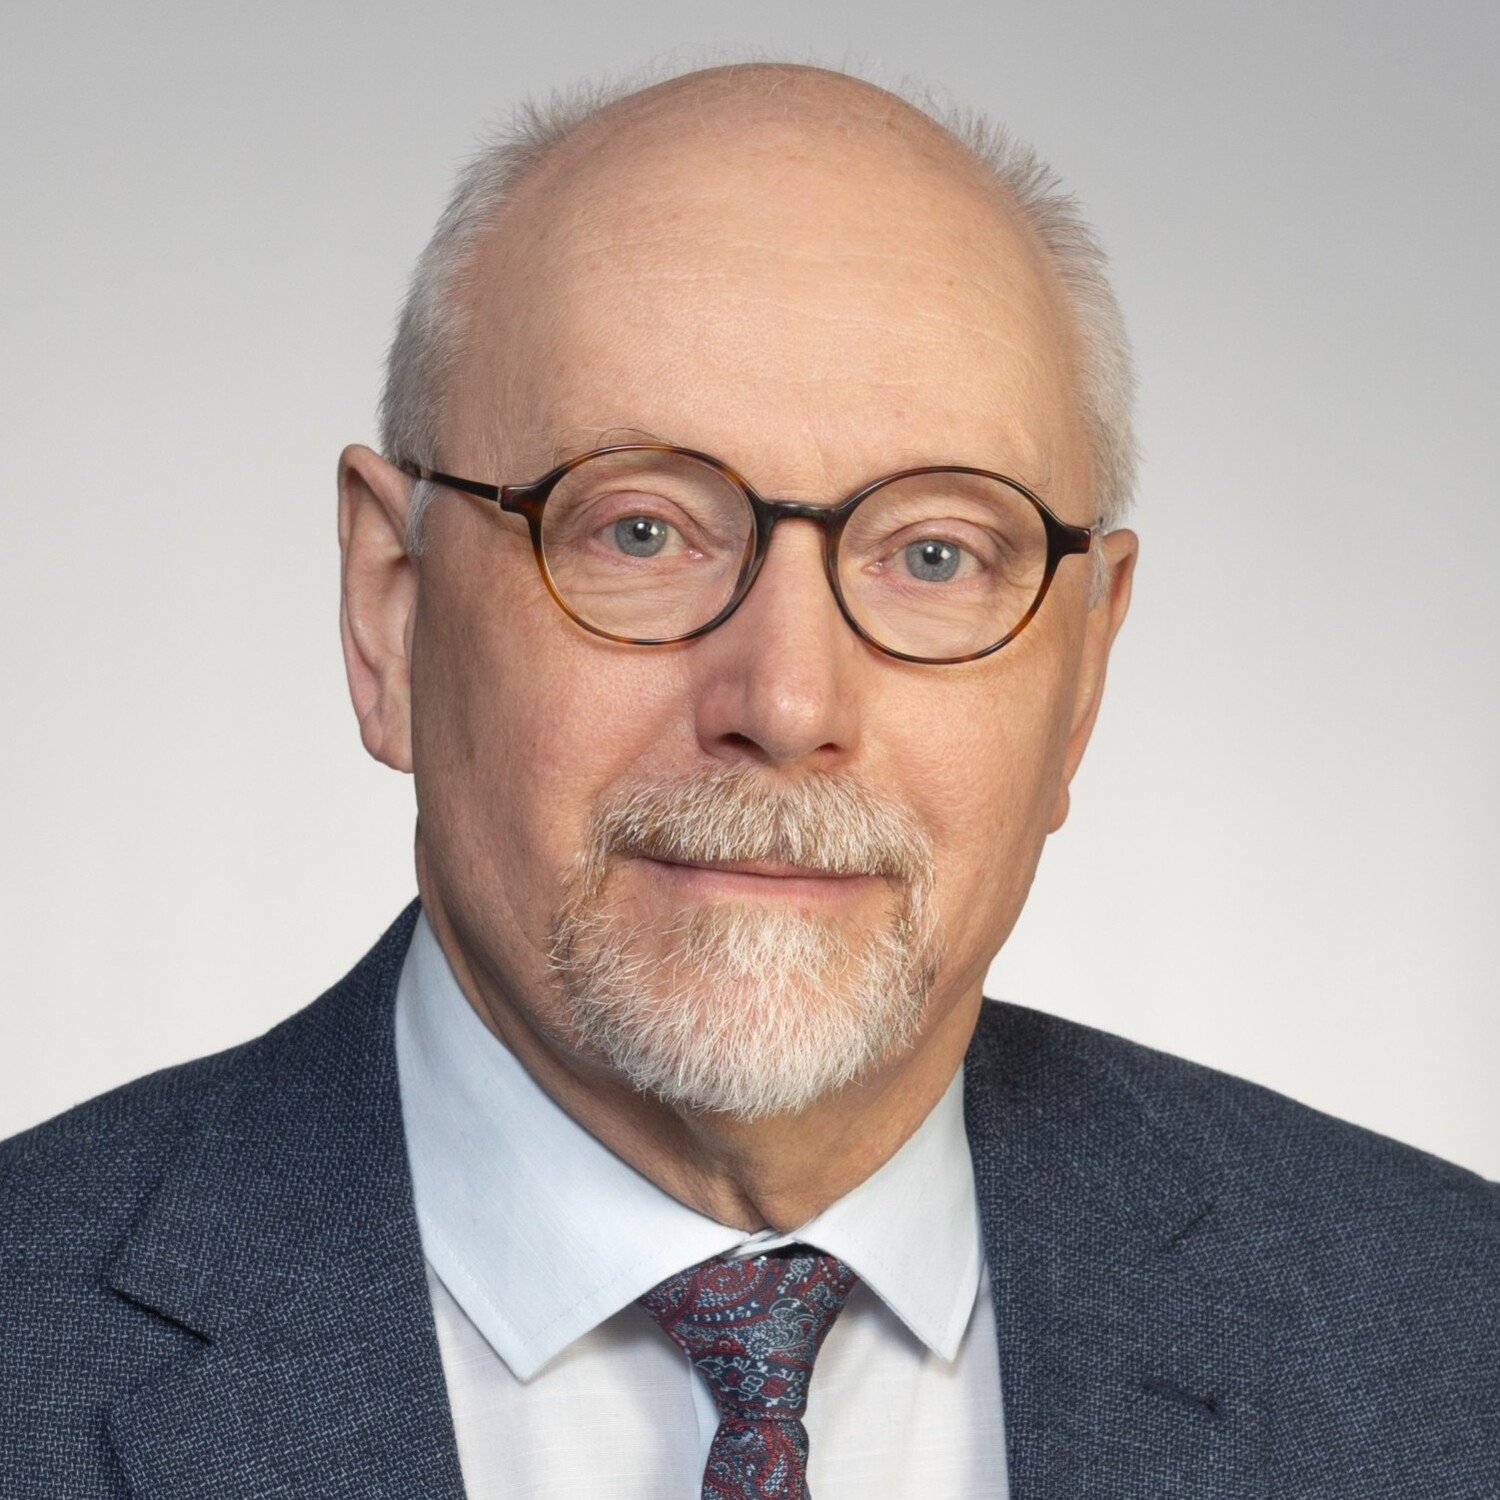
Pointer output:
735, 1006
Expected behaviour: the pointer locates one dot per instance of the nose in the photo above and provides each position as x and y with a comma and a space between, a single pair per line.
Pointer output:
779, 681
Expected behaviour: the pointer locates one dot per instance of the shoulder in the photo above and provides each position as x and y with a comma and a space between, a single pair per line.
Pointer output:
75, 1190
1247, 1132
1355, 1278
1333, 1208
82, 1173
83, 1168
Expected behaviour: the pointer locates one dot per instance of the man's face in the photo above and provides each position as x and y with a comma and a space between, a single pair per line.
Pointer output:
815, 305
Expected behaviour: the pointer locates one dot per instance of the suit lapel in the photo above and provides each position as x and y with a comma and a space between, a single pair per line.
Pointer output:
1131, 1356
283, 1235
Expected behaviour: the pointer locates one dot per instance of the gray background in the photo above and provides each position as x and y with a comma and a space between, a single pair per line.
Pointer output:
1282, 857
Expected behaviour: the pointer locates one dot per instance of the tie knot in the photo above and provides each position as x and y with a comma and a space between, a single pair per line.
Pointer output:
752, 1327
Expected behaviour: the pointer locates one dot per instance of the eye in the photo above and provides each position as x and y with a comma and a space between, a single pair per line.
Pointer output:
641, 536
933, 560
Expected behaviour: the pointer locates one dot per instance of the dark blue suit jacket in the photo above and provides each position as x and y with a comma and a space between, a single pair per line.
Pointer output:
211, 1283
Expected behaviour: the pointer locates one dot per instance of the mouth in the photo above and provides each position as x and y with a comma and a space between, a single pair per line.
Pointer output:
759, 879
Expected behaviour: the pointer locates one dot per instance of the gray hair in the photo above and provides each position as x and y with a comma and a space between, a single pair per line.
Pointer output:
430, 338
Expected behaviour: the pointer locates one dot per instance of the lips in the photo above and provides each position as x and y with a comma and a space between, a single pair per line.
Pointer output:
759, 880
771, 869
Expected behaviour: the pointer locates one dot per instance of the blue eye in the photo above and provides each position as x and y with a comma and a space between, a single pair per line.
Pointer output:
640, 536
933, 561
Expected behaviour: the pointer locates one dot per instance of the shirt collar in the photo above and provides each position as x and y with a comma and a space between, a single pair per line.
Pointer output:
540, 1232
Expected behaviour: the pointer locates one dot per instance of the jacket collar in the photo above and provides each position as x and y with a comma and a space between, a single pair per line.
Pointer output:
283, 1234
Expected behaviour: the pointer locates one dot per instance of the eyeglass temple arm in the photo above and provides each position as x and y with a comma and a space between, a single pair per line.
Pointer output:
451, 481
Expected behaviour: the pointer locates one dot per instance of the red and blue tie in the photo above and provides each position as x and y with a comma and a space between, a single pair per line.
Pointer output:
752, 1329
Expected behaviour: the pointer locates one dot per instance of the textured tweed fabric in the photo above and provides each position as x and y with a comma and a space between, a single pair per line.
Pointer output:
211, 1282
752, 1328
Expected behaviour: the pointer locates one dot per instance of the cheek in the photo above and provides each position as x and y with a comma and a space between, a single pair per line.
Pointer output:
983, 776
520, 721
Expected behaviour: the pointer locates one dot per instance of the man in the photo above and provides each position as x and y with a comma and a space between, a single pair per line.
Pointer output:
738, 582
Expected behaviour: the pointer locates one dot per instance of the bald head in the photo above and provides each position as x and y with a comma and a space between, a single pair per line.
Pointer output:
795, 232
806, 102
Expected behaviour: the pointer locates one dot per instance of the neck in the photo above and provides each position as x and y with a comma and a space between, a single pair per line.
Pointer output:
775, 1172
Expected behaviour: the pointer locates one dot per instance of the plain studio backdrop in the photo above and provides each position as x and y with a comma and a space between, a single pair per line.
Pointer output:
1282, 858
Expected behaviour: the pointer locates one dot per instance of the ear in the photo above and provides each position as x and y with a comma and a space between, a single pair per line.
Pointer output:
1101, 624
378, 601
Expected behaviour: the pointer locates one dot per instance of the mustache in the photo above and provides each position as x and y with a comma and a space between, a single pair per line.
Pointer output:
822, 820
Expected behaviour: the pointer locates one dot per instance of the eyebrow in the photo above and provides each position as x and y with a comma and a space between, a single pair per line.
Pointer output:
579, 440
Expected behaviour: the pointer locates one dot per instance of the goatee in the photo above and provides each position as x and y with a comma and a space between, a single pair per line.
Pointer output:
738, 1006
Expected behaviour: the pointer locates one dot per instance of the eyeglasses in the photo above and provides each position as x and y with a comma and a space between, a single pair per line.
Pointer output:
649, 544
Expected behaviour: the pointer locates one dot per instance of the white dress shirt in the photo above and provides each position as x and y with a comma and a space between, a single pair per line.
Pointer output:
538, 1240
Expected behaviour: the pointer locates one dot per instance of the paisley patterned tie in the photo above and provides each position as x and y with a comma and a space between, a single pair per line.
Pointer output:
752, 1329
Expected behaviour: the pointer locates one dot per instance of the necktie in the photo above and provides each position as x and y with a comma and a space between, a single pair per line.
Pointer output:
752, 1328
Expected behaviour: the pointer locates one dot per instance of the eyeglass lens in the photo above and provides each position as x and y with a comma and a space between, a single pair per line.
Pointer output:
649, 546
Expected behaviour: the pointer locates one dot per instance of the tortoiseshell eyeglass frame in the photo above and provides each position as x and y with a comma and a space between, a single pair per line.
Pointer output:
530, 499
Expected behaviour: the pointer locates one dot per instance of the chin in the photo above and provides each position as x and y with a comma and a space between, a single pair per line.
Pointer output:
743, 1008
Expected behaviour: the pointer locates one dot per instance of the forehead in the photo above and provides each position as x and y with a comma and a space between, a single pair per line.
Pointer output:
811, 294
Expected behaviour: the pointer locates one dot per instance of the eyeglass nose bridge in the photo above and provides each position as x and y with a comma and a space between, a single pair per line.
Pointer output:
767, 512
826, 516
